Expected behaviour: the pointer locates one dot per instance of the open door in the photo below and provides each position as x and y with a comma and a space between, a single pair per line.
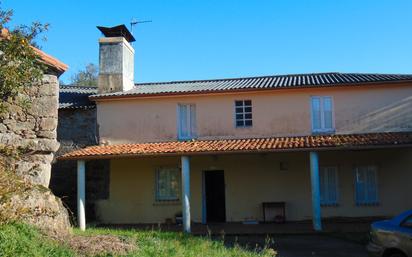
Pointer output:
215, 203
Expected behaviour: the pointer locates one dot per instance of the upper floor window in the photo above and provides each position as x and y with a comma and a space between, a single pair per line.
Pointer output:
329, 185
186, 125
243, 112
167, 184
366, 185
322, 114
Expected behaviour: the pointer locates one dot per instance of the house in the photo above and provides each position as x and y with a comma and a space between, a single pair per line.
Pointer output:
314, 145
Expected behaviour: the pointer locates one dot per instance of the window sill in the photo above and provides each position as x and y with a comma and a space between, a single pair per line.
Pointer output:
329, 205
186, 139
166, 203
321, 132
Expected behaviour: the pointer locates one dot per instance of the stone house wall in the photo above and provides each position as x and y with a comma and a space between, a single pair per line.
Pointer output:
33, 129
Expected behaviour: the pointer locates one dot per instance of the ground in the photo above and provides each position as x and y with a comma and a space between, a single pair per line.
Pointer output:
23, 240
336, 245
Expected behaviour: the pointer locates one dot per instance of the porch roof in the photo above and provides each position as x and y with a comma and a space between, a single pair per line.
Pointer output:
249, 145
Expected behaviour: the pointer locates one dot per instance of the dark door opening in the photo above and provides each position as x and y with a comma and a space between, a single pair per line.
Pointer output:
215, 196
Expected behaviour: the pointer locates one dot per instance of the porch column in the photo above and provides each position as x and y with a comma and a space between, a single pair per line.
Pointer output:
81, 194
186, 193
314, 175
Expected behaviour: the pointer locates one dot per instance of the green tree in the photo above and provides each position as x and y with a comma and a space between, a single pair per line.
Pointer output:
86, 77
19, 64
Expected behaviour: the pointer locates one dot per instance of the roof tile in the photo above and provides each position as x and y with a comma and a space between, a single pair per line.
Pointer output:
320, 142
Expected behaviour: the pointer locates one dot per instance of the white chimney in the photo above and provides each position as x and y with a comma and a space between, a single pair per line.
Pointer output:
116, 60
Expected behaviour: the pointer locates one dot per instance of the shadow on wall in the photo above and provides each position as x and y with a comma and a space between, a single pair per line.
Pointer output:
392, 117
64, 185
77, 129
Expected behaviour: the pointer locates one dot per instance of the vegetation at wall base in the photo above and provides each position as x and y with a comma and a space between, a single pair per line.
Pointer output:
18, 240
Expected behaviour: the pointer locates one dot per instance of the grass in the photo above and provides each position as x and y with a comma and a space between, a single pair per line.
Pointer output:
23, 240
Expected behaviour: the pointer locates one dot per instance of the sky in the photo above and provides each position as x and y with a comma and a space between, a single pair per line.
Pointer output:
191, 39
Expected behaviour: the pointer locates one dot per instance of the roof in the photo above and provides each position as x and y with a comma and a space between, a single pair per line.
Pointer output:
49, 60
74, 97
256, 145
52, 62
117, 31
257, 83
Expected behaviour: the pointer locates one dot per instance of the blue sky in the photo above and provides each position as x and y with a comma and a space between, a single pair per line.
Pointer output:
218, 39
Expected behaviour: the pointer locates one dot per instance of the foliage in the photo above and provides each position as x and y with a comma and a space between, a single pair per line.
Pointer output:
19, 64
87, 77
23, 240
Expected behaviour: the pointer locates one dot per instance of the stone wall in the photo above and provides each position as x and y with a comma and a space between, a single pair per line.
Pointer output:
29, 125
77, 129
33, 128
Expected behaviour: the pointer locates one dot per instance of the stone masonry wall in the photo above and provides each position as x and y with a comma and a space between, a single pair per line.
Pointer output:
33, 128
77, 129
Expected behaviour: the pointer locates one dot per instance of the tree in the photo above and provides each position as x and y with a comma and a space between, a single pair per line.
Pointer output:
86, 77
19, 64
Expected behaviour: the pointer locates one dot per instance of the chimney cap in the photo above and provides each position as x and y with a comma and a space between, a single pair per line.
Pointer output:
117, 31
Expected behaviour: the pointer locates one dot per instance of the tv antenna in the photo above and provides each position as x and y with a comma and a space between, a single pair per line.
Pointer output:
134, 22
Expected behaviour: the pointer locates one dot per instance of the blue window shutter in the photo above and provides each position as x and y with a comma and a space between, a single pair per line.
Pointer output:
322, 185
316, 113
332, 183
192, 121
372, 192
327, 112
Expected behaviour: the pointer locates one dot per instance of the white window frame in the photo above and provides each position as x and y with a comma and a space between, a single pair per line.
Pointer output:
322, 128
159, 198
191, 123
329, 202
366, 202
243, 113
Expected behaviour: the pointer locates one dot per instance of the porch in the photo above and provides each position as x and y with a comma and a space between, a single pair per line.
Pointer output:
251, 178
347, 225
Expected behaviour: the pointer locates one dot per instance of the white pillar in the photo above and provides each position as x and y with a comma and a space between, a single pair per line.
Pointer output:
81, 194
314, 175
186, 193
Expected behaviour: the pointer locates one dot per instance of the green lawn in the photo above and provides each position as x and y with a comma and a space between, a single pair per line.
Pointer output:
22, 240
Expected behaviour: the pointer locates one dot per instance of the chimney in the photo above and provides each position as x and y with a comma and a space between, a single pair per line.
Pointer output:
116, 60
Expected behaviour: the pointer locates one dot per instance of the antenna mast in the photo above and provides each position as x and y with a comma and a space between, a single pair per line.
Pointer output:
134, 22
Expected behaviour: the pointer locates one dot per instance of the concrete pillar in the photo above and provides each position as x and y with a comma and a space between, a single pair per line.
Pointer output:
81, 194
186, 193
315, 182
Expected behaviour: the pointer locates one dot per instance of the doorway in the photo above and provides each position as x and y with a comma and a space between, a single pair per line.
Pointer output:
214, 196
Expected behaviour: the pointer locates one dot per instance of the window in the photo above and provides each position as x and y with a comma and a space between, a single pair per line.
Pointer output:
243, 112
366, 186
167, 184
407, 222
322, 114
186, 121
328, 186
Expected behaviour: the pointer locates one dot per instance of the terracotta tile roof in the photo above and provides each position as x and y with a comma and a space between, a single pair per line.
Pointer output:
316, 142
49, 60
45, 58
